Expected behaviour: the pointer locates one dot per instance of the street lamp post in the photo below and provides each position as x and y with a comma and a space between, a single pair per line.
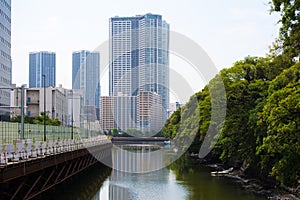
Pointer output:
22, 111
72, 119
44, 83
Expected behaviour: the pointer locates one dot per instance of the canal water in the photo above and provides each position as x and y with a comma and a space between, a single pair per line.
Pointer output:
184, 179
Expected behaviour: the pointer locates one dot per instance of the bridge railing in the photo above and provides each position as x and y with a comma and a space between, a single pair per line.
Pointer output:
23, 150
58, 139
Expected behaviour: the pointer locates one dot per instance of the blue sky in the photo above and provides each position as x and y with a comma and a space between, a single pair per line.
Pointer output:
227, 30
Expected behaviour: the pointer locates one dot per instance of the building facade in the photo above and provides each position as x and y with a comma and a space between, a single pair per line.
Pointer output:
107, 121
149, 112
118, 112
5, 59
173, 107
75, 106
16, 101
55, 99
86, 77
125, 110
42, 65
139, 56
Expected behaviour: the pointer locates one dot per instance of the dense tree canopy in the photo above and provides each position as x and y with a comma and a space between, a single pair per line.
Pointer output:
280, 150
262, 118
262, 121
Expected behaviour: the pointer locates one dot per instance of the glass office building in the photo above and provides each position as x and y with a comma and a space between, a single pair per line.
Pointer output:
42, 65
5, 59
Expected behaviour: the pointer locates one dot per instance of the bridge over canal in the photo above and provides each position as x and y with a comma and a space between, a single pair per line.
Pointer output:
29, 171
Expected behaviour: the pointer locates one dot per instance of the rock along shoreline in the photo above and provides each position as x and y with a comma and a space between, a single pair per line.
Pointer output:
253, 185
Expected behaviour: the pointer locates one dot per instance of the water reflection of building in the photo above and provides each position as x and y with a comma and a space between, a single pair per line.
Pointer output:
134, 165
137, 159
118, 193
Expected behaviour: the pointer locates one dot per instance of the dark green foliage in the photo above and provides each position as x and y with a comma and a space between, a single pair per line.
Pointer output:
280, 150
52, 122
27, 120
288, 44
38, 120
172, 124
115, 132
245, 84
262, 121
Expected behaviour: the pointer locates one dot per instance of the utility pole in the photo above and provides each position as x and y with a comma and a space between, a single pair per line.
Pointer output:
72, 118
44, 83
22, 111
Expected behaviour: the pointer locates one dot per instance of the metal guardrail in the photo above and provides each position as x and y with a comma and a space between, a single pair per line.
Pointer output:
24, 150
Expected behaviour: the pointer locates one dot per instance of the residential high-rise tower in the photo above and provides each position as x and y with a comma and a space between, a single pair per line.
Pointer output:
139, 56
86, 77
42, 65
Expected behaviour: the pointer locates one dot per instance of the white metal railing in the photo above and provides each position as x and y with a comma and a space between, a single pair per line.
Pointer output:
24, 150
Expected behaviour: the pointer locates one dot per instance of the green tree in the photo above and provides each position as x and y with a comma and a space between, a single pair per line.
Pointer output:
115, 132
280, 150
245, 84
41, 118
288, 43
262, 123
261, 128
27, 120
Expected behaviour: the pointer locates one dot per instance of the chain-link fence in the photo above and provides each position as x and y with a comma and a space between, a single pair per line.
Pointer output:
9, 132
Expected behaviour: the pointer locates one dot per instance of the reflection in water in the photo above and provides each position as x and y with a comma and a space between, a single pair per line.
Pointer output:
137, 158
83, 186
184, 179
139, 174
203, 186
156, 185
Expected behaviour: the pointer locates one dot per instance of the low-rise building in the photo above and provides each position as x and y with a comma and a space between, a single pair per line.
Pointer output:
52, 101
107, 113
149, 112
118, 112
173, 107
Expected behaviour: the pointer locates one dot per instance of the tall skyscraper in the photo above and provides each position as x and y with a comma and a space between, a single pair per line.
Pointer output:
5, 58
139, 56
86, 77
42, 64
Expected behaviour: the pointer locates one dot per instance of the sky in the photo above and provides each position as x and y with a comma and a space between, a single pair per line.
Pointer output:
226, 30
